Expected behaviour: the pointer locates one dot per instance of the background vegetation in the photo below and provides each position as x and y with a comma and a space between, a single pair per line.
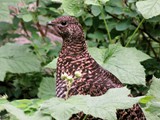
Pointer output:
123, 36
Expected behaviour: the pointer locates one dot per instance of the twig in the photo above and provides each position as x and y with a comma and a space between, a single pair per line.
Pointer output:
152, 49
37, 23
144, 30
37, 3
40, 29
24, 28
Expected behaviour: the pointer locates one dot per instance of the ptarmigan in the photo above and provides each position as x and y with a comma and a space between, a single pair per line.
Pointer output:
94, 80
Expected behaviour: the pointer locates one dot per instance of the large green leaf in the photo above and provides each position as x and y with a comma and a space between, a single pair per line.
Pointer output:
72, 7
58, 108
47, 88
152, 109
122, 62
104, 106
95, 2
16, 58
149, 8
39, 116
155, 88
150, 116
18, 113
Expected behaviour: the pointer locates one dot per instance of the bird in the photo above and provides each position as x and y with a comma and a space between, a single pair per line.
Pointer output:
94, 80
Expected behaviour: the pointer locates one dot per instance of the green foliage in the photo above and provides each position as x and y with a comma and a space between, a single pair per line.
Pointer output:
72, 7
152, 108
47, 88
61, 109
127, 67
29, 107
52, 64
16, 112
149, 8
17, 59
95, 2
123, 37
152, 67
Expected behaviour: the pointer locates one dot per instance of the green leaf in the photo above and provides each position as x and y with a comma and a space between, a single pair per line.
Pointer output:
16, 58
27, 17
19, 108
123, 25
114, 10
16, 112
95, 10
91, 2
57, 0
58, 109
4, 8
104, 106
39, 116
88, 21
154, 89
149, 8
150, 116
27, 105
52, 64
146, 99
95, 2
152, 109
123, 62
47, 88
2, 101
96, 35
5, 27
72, 7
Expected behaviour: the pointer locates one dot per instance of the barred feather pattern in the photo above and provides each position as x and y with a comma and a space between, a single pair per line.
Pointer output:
95, 80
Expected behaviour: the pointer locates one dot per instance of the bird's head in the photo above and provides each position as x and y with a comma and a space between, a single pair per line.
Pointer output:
67, 27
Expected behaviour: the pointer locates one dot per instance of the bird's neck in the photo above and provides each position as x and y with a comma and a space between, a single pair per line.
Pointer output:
74, 47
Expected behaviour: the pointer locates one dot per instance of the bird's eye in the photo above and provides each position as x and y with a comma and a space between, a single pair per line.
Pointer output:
63, 23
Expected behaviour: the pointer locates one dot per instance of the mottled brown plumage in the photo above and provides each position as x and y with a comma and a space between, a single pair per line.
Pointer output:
95, 80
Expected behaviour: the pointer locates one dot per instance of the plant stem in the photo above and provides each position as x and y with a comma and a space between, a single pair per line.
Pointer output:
135, 32
37, 52
105, 23
68, 89
66, 97
40, 30
85, 117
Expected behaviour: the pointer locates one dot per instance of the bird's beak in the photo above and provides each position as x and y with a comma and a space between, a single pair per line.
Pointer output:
50, 23
53, 28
